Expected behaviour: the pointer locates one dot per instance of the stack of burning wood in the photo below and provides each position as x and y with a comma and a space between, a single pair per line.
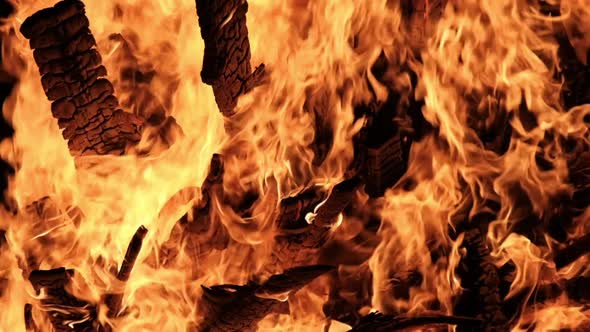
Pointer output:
85, 106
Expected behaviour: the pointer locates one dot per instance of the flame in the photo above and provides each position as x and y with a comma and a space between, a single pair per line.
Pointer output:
478, 63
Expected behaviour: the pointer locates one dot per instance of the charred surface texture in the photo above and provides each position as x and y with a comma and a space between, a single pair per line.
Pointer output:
73, 78
114, 301
377, 322
198, 231
240, 308
65, 312
298, 242
480, 280
226, 64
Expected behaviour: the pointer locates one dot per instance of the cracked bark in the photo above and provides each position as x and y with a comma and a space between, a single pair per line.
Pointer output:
74, 80
226, 63
65, 312
240, 308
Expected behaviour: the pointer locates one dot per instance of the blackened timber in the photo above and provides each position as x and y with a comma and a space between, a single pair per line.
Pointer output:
65, 312
197, 231
340, 197
480, 280
240, 308
226, 63
377, 322
298, 240
114, 301
83, 100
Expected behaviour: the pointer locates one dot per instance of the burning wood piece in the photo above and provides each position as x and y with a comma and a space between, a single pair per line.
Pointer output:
226, 63
480, 280
377, 322
114, 301
382, 148
386, 164
340, 197
65, 311
298, 241
198, 231
73, 79
240, 308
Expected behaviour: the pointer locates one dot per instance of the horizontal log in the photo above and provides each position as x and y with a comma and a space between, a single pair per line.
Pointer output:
377, 322
240, 308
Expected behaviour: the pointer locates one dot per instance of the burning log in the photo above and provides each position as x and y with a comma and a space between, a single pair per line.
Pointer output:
114, 301
198, 231
298, 241
377, 322
481, 281
73, 79
226, 63
240, 308
65, 311
135, 85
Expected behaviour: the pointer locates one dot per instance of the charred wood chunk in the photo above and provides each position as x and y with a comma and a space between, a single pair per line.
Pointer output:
226, 63
199, 231
73, 78
377, 322
298, 240
340, 197
386, 164
481, 282
114, 301
65, 311
292, 210
240, 308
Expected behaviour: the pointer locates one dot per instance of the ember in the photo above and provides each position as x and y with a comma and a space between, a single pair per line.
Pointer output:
301, 165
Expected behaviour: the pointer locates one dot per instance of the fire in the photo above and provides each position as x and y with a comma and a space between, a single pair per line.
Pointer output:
476, 88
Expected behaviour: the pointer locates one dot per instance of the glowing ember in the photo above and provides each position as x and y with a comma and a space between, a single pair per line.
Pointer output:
301, 165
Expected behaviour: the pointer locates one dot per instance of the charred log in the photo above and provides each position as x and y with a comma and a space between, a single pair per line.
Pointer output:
114, 301
198, 231
377, 322
299, 240
226, 63
240, 308
480, 280
73, 79
64, 311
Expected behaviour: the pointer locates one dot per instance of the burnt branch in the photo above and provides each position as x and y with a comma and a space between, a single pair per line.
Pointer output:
197, 231
226, 63
480, 280
73, 79
377, 322
298, 242
114, 301
65, 312
240, 308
